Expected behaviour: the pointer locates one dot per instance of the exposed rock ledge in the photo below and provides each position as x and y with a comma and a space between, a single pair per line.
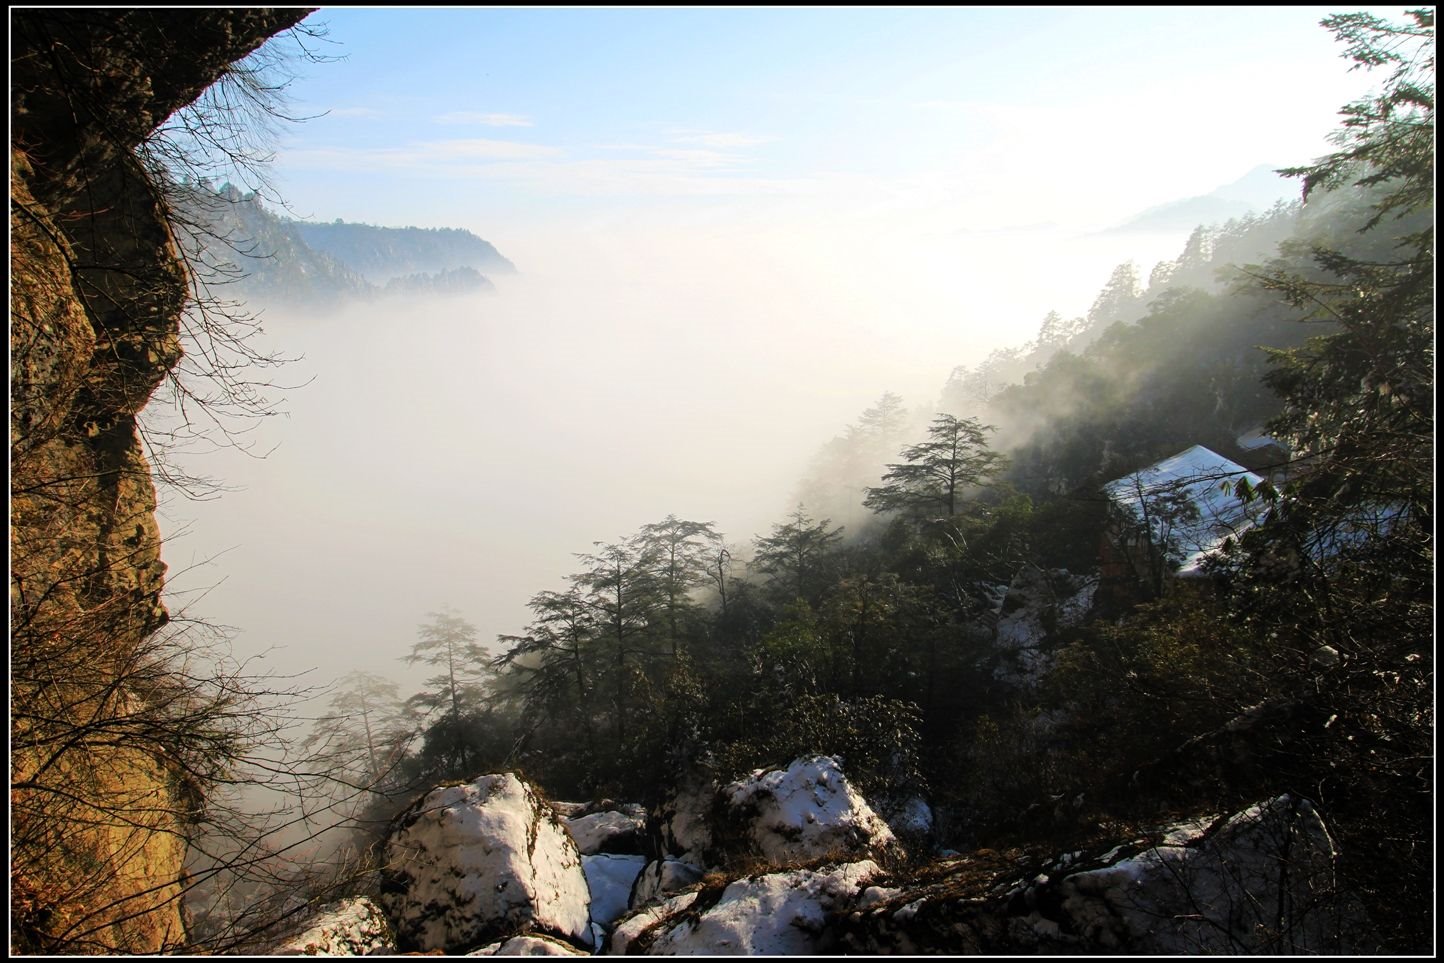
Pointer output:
96, 299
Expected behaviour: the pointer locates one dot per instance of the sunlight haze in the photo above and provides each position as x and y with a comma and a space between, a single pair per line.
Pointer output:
735, 229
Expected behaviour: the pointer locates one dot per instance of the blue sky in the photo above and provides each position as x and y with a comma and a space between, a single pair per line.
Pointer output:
511, 114
910, 140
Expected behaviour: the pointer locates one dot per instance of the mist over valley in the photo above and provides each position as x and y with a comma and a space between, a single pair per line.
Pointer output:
747, 481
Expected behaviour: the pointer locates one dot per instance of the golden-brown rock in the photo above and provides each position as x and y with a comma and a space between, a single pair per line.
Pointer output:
98, 810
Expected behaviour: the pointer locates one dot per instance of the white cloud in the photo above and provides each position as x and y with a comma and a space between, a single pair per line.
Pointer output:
484, 120
651, 176
702, 159
713, 138
480, 148
426, 156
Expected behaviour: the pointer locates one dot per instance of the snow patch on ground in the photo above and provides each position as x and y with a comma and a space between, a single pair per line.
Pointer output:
610, 878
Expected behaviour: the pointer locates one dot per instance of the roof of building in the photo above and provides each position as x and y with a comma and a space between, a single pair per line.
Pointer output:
1188, 500
1256, 438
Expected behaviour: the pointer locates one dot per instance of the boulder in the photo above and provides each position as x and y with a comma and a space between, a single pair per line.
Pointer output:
910, 818
351, 927
686, 820
807, 811
663, 876
786, 913
1259, 881
529, 946
610, 831
469, 864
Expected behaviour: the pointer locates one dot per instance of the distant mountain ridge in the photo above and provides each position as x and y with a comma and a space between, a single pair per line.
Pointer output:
1255, 192
244, 251
380, 254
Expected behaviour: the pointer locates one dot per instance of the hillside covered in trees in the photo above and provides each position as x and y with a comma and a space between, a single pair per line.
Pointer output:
245, 252
940, 614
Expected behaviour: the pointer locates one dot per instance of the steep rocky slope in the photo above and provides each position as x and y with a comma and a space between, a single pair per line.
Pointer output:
98, 804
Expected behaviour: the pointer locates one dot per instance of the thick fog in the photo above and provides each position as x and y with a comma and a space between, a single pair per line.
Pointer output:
456, 452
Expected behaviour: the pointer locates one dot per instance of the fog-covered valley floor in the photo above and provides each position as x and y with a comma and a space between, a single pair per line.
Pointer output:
456, 451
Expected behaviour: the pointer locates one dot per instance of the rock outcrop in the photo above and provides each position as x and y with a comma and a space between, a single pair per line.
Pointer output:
352, 927
609, 831
807, 811
781, 914
471, 864
487, 865
1037, 604
1260, 881
96, 301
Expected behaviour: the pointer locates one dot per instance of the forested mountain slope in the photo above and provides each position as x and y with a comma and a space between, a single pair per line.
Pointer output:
380, 254
248, 252
964, 643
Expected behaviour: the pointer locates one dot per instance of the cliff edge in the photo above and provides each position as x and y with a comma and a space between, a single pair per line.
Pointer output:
100, 790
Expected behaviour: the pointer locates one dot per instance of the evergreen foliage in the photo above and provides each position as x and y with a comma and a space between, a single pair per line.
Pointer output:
934, 474
1301, 664
799, 555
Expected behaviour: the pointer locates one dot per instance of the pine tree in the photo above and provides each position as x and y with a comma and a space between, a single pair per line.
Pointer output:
454, 699
797, 555
934, 474
680, 551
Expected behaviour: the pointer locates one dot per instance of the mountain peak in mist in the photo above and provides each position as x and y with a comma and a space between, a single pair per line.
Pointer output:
1256, 191
383, 254
273, 259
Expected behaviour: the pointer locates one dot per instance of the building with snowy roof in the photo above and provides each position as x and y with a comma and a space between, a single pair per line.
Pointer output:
1169, 517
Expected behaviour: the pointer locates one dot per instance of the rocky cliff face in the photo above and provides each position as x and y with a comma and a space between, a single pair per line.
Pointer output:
96, 301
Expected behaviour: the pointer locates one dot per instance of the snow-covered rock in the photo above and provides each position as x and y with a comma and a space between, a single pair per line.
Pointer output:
806, 811
773, 914
529, 946
352, 927
631, 930
610, 877
663, 876
911, 818
610, 831
1037, 603
1260, 881
467, 864
1189, 504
